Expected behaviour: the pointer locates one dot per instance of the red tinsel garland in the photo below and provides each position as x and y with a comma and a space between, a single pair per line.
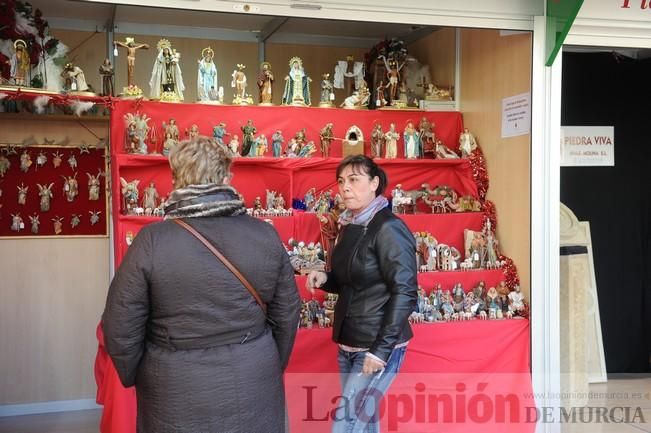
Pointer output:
510, 272
479, 172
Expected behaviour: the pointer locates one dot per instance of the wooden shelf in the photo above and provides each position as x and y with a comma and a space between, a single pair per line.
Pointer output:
53, 117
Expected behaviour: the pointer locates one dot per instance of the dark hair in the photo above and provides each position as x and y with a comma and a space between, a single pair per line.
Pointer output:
367, 166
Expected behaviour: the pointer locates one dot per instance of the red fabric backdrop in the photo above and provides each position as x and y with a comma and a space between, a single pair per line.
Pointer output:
59, 205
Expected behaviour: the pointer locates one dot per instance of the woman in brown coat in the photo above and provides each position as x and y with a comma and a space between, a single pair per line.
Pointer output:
183, 329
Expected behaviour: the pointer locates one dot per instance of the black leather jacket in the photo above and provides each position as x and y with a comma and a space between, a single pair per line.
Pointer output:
374, 273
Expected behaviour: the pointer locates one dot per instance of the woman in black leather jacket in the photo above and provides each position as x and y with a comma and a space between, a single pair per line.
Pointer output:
374, 273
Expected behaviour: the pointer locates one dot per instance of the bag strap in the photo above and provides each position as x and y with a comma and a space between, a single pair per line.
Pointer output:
226, 263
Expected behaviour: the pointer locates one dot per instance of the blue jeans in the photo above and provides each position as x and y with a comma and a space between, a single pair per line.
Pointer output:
358, 408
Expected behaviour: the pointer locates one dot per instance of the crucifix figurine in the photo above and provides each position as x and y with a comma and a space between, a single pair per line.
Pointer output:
132, 47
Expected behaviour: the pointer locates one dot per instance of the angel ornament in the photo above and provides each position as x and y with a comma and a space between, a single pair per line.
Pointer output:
239, 84
22, 193
35, 223
17, 223
41, 159
130, 195
94, 185
45, 192
70, 187
72, 161
5, 165
75, 220
57, 159
25, 161
166, 81
58, 225
94, 217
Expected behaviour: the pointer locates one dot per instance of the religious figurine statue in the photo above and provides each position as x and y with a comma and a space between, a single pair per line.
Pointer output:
516, 300
412, 141
327, 92
137, 133
41, 159
45, 192
25, 161
94, 185
57, 159
427, 137
166, 81
94, 217
261, 145
248, 133
106, 72
348, 75
239, 83
234, 144
130, 195
20, 64
444, 152
297, 84
377, 140
150, 198
22, 193
35, 223
132, 47
70, 187
327, 136
171, 139
391, 142
193, 132
380, 99
467, 143
265, 81
359, 98
206, 76
393, 77
277, 140
17, 223
74, 79
491, 261
5, 165
219, 131
72, 161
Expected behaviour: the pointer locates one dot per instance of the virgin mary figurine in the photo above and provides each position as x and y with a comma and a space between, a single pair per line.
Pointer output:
297, 85
166, 81
207, 76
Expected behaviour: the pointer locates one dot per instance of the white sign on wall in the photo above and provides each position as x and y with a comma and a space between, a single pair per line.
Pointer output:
516, 115
587, 146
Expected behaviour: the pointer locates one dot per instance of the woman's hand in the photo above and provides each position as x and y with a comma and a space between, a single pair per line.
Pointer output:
371, 365
315, 279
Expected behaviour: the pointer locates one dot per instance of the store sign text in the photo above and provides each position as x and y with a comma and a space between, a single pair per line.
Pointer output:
644, 4
587, 146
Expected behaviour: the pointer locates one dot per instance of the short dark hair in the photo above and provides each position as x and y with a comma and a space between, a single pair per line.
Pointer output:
367, 166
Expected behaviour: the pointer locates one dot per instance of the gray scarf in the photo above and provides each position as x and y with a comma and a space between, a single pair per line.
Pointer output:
203, 201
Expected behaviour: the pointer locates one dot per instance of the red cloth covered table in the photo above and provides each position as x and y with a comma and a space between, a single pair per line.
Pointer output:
457, 377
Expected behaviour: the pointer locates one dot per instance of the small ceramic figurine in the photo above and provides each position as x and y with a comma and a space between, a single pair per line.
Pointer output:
137, 133
35, 223
265, 82
377, 141
261, 145
239, 84
74, 79
427, 137
58, 225
393, 77
20, 63
70, 187
206, 76
467, 143
5, 165
17, 223
171, 131
132, 47
166, 81
219, 131
72, 161
94, 185
391, 142
193, 132
41, 159
57, 159
397, 195
380, 99
444, 152
412, 141
248, 134
297, 84
516, 300
75, 220
277, 140
130, 195
327, 92
22, 193
327, 136
106, 72
45, 192
150, 199
25, 161
94, 217
234, 145
348, 75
